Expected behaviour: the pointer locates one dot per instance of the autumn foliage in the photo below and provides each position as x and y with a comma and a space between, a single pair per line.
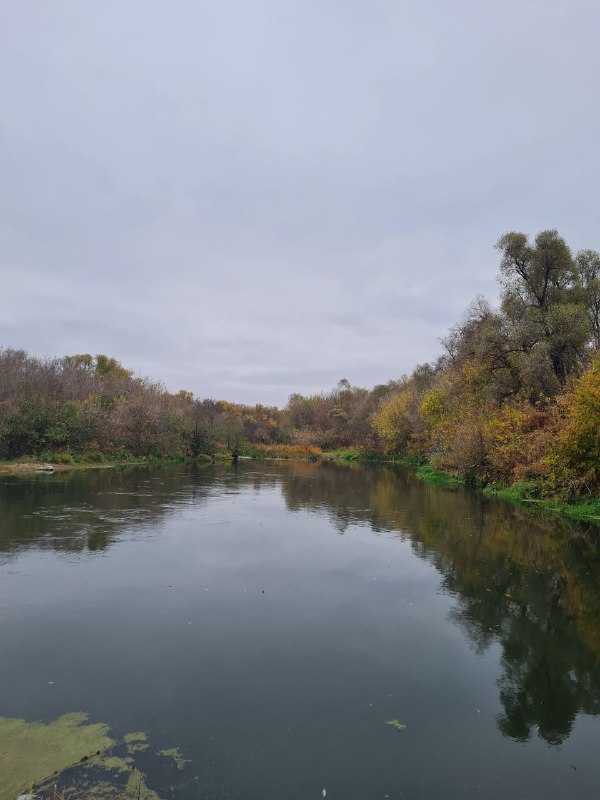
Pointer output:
514, 398
92, 406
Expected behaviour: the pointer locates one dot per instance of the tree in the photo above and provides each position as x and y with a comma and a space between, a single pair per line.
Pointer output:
548, 323
579, 442
588, 267
395, 422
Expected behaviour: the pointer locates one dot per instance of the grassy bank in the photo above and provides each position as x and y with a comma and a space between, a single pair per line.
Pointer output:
524, 494
24, 467
285, 451
64, 462
426, 472
423, 471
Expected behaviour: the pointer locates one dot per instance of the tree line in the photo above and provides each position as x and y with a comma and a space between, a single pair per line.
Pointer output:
513, 398
515, 395
91, 405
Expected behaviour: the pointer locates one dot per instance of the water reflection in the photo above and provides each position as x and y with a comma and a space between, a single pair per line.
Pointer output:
527, 583
76, 511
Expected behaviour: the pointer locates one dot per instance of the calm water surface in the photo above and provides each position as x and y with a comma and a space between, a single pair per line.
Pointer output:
268, 619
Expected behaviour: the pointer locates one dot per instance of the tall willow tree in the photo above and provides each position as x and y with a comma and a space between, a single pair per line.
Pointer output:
588, 267
549, 325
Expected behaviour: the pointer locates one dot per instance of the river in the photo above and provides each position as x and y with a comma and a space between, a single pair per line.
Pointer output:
269, 620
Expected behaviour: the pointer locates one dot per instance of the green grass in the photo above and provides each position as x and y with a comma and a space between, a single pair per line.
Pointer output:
357, 454
583, 512
438, 478
527, 493
517, 493
426, 472
344, 454
75, 461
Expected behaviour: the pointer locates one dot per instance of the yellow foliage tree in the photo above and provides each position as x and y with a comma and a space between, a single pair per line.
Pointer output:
395, 422
518, 439
579, 441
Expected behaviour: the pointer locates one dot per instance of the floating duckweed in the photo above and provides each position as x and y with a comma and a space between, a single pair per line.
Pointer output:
116, 763
102, 790
394, 723
34, 751
135, 736
36, 754
137, 789
176, 755
136, 742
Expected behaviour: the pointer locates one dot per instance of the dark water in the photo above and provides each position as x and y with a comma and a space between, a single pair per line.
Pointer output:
269, 619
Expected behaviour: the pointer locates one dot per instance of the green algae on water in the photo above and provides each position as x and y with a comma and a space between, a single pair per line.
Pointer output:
116, 763
135, 736
136, 788
75, 751
396, 724
34, 751
136, 742
176, 755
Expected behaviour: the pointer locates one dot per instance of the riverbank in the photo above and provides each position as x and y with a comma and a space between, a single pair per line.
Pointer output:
584, 511
30, 466
522, 494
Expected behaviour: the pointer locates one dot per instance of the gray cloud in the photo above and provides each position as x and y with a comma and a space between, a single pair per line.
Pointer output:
249, 199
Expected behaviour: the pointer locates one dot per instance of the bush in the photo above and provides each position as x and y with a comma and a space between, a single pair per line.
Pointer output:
287, 451
578, 446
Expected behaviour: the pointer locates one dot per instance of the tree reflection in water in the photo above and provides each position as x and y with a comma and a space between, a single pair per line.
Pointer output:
528, 583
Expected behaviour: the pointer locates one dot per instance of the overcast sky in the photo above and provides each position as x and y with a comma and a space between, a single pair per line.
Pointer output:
250, 198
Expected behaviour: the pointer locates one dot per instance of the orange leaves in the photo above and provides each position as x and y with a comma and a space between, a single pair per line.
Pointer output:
291, 451
518, 441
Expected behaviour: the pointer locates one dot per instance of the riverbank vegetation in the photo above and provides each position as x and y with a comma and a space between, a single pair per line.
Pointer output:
512, 404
